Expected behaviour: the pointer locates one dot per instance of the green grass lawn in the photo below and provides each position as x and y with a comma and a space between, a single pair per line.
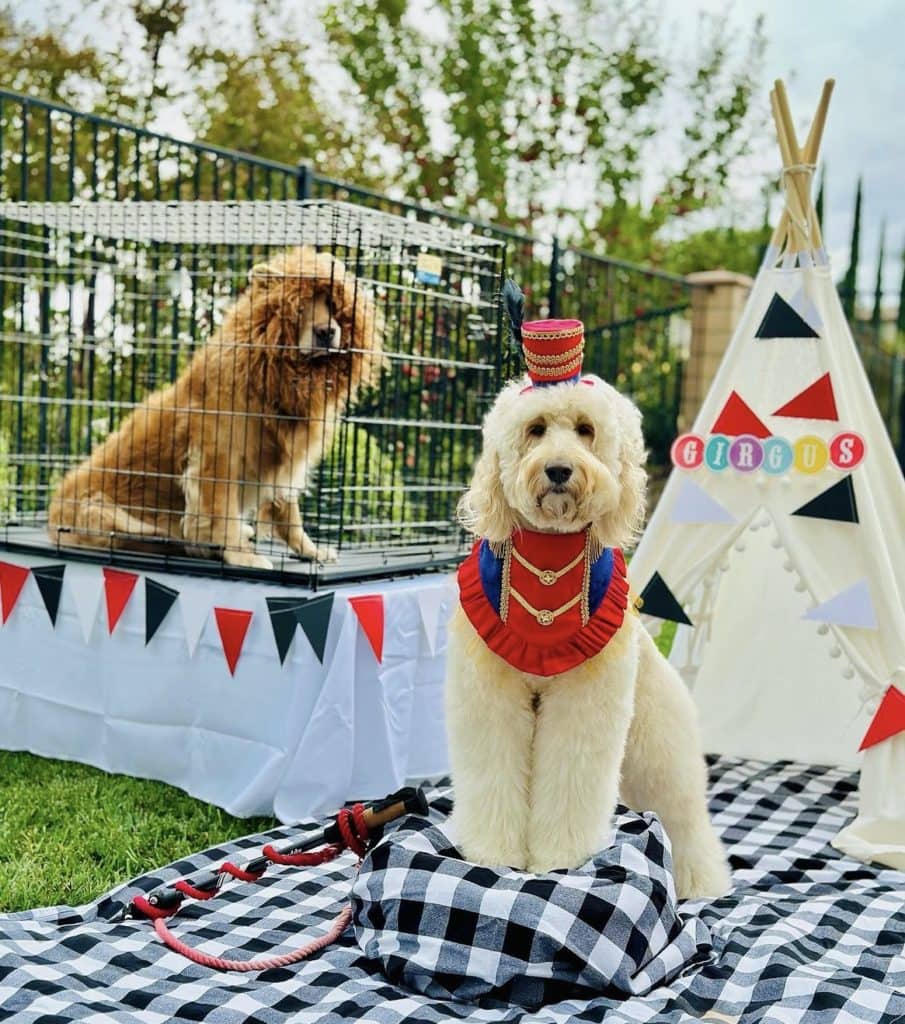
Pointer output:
68, 832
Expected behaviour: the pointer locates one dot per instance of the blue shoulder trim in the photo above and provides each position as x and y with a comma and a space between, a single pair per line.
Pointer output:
490, 568
601, 574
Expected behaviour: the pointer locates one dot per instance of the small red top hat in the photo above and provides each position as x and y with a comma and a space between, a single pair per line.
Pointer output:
553, 350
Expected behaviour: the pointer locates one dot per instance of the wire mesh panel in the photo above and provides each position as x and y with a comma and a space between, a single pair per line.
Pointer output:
247, 383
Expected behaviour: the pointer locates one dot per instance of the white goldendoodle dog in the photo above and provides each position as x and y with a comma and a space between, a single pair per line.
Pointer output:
540, 758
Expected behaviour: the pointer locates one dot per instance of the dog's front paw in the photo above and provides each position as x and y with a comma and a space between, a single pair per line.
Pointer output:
247, 559
325, 553
704, 878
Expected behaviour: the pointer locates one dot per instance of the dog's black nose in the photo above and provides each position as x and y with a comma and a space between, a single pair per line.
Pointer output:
323, 337
557, 472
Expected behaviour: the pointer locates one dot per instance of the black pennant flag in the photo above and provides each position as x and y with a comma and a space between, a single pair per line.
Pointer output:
658, 600
284, 621
314, 618
159, 599
836, 502
49, 579
781, 321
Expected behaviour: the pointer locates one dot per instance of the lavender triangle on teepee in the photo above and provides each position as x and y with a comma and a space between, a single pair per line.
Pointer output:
694, 505
850, 607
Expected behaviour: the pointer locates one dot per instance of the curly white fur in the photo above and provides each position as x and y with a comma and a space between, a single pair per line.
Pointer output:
538, 763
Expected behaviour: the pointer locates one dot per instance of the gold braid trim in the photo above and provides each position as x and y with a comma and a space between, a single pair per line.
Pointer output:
545, 616
553, 371
554, 357
569, 332
548, 576
504, 588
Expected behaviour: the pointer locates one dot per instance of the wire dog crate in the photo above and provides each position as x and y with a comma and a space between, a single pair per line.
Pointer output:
177, 378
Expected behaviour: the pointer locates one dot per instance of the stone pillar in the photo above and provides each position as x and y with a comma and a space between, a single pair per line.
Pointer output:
717, 300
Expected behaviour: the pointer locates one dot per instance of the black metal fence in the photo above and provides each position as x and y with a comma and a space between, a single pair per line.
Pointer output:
634, 318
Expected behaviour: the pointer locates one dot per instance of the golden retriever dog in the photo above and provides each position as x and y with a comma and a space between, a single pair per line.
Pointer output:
539, 759
236, 436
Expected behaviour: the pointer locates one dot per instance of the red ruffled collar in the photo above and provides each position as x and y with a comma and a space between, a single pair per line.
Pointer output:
557, 617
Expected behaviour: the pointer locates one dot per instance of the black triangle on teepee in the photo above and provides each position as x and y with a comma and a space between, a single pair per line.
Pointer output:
781, 321
314, 618
159, 599
837, 503
284, 621
49, 579
658, 600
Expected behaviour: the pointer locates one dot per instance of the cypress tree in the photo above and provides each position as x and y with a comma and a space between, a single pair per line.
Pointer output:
850, 282
818, 204
878, 288
900, 318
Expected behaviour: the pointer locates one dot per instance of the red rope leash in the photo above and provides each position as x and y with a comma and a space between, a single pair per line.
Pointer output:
219, 963
354, 831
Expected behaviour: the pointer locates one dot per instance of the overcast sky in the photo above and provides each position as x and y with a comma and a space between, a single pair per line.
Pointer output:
860, 44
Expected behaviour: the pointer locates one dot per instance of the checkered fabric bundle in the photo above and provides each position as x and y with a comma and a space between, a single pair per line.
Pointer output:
807, 936
454, 930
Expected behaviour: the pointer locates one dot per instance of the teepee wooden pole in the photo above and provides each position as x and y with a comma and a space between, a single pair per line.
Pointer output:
801, 182
792, 152
796, 216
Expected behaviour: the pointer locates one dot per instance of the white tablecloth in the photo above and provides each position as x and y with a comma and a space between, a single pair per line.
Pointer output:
291, 740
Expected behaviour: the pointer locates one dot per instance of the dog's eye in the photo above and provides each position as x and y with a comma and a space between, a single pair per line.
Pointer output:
585, 430
537, 429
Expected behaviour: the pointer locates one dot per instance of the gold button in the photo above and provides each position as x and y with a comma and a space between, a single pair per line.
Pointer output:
545, 617
548, 577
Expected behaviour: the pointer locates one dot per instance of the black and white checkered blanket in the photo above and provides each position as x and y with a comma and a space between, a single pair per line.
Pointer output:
807, 936
454, 930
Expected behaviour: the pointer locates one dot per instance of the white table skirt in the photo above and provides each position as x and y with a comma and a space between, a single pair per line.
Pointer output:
290, 740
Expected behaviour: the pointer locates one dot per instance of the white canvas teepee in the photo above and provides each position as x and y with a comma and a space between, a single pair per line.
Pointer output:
784, 550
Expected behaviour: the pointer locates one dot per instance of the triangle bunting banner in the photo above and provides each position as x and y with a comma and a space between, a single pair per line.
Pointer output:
118, 587
195, 610
658, 600
781, 321
369, 609
314, 618
851, 607
49, 580
816, 402
232, 624
836, 503
430, 605
86, 588
159, 599
889, 720
694, 505
12, 580
284, 621
739, 418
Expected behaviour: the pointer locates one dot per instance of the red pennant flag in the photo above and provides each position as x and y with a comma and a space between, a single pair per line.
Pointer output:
369, 610
12, 580
232, 624
816, 402
738, 418
889, 720
118, 587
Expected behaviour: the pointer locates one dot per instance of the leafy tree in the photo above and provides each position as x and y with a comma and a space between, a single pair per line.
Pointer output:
518, 111
819, 202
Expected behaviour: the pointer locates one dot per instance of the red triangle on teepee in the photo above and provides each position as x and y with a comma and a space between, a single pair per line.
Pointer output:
232, 624
738, 418
816, 402
369, 610
12, 580
889, 720
118, 587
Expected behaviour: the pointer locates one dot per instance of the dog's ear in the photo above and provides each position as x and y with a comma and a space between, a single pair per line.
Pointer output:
483, 509
622, 527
